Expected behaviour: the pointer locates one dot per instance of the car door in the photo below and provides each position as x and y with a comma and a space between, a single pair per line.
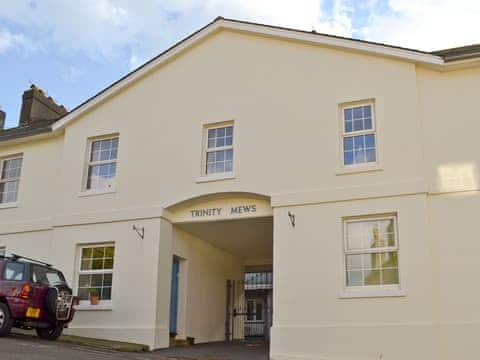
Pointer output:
13, 279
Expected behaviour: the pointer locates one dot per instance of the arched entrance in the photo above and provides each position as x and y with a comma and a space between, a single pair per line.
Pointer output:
222, 254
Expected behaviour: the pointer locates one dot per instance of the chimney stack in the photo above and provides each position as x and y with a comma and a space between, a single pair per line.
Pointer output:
38, 106
3, 115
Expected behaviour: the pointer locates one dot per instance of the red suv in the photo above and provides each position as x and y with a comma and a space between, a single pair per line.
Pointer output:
33, 295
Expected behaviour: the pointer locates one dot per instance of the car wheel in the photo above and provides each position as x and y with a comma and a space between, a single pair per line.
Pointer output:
51, 298
51, 301
51, 333
6, 320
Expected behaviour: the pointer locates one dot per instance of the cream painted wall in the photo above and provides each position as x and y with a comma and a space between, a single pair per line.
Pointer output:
39, 245
38, 188
204, 272
163, 281
453, 230
238, 77
450, 121
131, 317
313, 319
134, 298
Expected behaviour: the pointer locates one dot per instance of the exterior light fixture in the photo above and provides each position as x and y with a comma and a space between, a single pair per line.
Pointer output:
140, 231
291, 215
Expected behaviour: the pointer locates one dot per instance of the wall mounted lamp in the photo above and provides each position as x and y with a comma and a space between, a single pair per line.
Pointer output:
291, 215
139, 230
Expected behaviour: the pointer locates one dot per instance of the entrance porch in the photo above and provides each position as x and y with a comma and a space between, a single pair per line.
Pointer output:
221, 260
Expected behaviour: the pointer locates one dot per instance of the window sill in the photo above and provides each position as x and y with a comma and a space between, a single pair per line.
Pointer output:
355, 169
89, 307
372, 293
95, 193
215, 177
9, 205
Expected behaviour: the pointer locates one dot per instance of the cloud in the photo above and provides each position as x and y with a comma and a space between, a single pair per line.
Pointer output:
135, 61
96, 27
339, 22
71, 73
133, 31
10, 41
302, 14
426, 24
106, 29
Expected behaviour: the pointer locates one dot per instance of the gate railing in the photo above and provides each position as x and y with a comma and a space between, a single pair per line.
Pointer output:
249, 307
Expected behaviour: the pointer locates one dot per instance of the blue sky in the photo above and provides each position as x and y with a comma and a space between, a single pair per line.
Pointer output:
73, 49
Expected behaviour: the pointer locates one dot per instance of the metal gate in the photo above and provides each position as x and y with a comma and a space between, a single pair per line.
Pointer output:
249, 308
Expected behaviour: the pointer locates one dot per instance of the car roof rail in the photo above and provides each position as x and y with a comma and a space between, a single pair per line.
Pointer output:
16, 257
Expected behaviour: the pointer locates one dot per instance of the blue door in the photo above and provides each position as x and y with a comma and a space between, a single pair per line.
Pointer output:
174, 296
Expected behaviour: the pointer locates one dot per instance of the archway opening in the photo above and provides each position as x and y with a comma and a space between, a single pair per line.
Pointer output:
225, 246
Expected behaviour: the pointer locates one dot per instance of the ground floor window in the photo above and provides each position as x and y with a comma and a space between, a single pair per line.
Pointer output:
371, 252
95, 275
3, 251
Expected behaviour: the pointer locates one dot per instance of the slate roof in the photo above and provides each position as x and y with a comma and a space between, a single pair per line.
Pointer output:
459, 53
36, 128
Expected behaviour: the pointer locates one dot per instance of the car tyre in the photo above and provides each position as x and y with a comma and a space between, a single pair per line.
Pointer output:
6, 320
50, 333
51, 301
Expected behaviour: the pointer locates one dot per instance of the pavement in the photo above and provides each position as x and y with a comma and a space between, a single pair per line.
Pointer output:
218, 351
22, 347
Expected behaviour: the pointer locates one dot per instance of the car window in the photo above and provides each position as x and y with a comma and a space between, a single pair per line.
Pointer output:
14, 271
44, 275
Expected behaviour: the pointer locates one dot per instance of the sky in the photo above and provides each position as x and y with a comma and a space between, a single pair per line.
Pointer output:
74, 48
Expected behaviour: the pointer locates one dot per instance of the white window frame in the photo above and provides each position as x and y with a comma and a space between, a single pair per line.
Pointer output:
205, 150
85, 304
374, 165
89, 163
2, 164
361, 291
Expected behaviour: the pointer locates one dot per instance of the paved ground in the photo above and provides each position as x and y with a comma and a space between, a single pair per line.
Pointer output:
20, 347
220, 351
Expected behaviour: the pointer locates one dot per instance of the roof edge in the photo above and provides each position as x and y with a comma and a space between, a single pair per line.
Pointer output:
335, 41
37, 134
459, 53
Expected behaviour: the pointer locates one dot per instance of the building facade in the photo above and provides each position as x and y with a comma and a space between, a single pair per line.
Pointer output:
347, 168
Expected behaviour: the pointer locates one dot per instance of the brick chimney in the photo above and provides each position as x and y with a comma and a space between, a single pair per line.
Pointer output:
37, 106
3, 115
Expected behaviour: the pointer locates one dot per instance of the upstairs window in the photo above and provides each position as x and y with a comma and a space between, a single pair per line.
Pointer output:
102, 164
219, 150
358, 136
9, 179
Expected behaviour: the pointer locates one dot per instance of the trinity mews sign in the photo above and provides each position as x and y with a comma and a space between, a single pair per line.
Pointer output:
220, 211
